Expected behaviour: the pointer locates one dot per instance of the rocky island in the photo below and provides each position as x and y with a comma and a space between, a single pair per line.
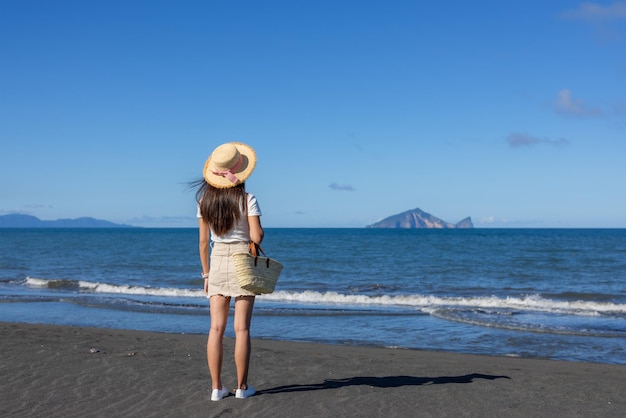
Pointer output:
418, 219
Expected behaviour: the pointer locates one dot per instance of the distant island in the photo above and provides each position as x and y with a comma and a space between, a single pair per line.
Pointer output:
28, 221
418, 219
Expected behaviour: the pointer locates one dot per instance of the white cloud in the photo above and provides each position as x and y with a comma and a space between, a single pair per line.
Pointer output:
26, 209
596, 13
607, 21
566, 104
342, 187
495, 222
163, 221
524, 140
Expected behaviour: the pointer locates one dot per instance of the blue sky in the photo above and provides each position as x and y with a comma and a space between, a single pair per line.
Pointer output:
513, 113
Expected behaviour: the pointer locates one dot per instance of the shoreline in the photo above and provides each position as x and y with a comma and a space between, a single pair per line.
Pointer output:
50, 370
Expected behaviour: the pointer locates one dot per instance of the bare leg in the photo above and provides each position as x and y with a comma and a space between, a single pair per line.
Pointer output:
243, 316
215, 348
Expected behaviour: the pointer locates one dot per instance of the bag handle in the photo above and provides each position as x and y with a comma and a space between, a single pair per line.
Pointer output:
254, 247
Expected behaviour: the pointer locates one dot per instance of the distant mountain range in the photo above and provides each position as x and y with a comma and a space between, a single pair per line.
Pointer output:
417, 219
411, 219
28, 221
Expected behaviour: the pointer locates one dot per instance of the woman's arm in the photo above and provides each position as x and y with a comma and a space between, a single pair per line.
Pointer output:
203, 238
256, 230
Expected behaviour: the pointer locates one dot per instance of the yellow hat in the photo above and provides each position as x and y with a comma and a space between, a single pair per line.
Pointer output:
229, 164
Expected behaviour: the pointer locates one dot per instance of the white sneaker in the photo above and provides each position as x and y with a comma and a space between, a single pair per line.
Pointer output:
245, 393
219, 394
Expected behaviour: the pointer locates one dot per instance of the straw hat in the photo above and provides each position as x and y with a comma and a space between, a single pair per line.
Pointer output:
229, 164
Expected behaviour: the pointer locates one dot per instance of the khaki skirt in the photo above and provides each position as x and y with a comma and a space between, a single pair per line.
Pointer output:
222, 275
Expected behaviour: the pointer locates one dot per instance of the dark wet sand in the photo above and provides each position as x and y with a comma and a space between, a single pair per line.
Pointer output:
51, 371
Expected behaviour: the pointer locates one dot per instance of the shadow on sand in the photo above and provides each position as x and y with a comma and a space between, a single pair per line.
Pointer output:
382, 382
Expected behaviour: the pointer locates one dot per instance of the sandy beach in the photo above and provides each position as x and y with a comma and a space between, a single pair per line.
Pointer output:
56, 371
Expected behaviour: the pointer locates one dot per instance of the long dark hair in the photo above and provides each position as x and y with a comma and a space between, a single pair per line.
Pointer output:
221, 208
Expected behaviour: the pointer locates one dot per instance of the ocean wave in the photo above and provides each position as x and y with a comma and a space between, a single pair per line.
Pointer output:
52, 284
426, 303
94, 287
550, 323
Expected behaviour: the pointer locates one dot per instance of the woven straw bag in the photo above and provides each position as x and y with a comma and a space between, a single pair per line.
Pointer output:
257, 274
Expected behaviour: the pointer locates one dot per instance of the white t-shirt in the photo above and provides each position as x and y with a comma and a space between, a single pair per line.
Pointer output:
241, 231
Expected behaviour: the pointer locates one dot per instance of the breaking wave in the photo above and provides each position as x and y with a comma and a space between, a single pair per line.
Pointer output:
426, 303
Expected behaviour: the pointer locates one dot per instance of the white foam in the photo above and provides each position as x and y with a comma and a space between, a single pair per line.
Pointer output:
34, 282
423, 302
140, 290
119, 289
531, 302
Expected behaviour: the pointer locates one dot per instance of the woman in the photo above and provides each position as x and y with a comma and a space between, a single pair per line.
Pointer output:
230, 217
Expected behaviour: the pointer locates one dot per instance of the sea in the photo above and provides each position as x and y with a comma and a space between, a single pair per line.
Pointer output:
534, 293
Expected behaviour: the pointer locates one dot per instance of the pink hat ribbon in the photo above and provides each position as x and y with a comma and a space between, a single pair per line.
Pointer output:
229, 173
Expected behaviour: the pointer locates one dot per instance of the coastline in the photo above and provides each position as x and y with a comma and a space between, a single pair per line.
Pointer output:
49, 370
533, 293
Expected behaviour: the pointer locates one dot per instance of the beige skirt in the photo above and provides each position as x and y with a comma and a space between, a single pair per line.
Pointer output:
222, 275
